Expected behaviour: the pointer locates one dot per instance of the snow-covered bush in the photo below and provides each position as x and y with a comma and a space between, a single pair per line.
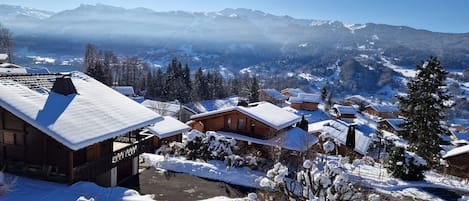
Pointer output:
374, 197
252, 197
406, 165
317, 181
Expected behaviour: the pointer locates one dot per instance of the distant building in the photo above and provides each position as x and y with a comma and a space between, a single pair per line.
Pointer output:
346, 113
199, 107
305, 101
337, 130
262, 124
69, 128
168, 130
382, 111
393, 126
457, 159
129, 92
289, 92
356, 100
272, 96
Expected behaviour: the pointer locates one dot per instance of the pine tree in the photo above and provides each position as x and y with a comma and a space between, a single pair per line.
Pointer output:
424, 107
303, 124
323, 93
350, 141
197, 85
254, 90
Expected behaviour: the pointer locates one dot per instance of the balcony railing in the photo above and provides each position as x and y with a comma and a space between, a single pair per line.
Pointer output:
96, 167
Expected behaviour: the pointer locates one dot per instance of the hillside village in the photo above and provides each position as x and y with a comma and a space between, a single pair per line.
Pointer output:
73, 133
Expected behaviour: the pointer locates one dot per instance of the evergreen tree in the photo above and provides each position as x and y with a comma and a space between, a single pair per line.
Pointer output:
323, 93
350, 141
254, 90
403, 165
329, 100
303, 124
197, 85
424, 107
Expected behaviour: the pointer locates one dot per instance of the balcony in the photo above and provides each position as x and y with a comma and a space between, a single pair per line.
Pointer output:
124, 149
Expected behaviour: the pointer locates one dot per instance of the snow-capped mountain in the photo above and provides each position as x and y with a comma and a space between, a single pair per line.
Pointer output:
11, 12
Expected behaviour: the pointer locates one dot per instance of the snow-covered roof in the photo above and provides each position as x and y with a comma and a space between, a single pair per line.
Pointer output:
126, 90
8, 68
3, 57
457, 151
306, 97
342, 109
293, 139
211, 105
95, 114
461, 136
168, 127
293, 91
163, 108
384, 108
356, 97
274, 94
264, 112
338, 130
396, 123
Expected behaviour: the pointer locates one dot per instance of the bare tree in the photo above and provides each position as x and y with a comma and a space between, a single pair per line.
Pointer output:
6, 42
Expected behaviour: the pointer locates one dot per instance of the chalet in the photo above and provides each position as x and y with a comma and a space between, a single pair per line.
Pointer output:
392, 126
457, 160
305, 101
261, 124
337, 130
129, 92
356, 100
272, 96
168, 130
70, 127
382, 111
346, 113
289, 92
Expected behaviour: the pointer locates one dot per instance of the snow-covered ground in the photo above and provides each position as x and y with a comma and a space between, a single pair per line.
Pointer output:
368, 175
26, 189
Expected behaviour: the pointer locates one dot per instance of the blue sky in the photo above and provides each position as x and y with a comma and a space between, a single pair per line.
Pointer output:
435, 15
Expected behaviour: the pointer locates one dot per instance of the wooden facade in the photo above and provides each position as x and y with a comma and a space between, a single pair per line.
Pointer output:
459, 165
383, 114
236, 122
28, 151
263, 96
305, 106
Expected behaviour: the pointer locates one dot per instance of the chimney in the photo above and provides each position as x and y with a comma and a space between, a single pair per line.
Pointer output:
64, 85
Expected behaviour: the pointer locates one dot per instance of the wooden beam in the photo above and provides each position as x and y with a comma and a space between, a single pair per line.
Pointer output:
70, 167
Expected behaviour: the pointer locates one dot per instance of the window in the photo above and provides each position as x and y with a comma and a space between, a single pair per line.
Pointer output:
253, 125
228, 123
8, 137
240, 124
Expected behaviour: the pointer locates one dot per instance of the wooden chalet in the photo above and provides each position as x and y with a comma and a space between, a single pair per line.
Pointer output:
305, 101
261, 124
168, 130
382, 111
457, 159
70, 128
272, 96
393, 126
291, 92
346, 113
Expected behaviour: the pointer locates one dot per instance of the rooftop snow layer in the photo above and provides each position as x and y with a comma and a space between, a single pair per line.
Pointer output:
95, 114
306, 97
338, 130
126, 90
274, 94
293, 91
342, 109
211, 105
264, 112
168, 127
293, 139
457, 151
163, 108
396, 123
384, 108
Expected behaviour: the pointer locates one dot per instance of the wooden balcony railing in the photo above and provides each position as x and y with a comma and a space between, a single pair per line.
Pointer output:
96, 167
